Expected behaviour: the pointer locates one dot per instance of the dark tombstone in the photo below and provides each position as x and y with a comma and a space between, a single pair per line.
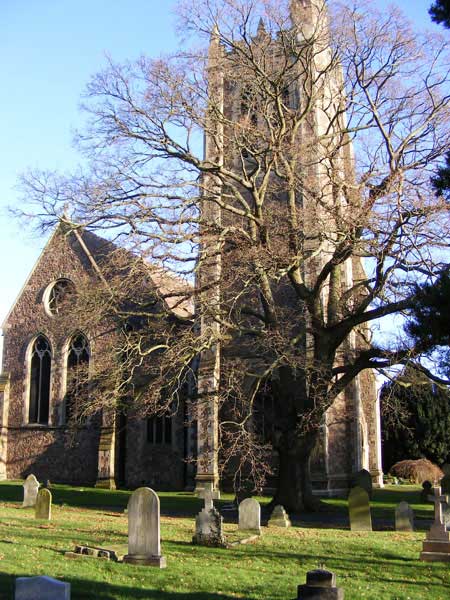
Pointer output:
320, 585
445, 484
363, 479
426, 491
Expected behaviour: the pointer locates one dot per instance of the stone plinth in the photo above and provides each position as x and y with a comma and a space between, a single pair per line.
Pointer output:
279, 517
436, 546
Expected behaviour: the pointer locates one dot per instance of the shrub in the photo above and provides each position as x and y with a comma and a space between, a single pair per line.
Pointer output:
417, 471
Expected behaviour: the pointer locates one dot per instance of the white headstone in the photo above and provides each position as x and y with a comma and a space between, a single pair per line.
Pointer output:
144, 542
40, 588
250, 515
30, 491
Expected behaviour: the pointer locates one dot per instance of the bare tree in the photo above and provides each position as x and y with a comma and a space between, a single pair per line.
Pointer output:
305, 217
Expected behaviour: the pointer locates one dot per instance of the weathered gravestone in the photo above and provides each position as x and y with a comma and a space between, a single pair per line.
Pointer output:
209, 525
250, 515
43, 508
359, 510
279, 517
144, 543
320, 585
404, 517
363, 480
41, 588
30, 491
425, 491
445, 484
436, 546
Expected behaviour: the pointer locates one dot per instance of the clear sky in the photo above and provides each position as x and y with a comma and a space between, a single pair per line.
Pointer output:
49, 49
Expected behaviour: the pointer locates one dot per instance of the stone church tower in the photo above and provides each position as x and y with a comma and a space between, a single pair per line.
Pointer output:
350, 436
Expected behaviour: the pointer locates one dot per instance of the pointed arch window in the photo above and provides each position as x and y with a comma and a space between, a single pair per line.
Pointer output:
40, 372
77, 373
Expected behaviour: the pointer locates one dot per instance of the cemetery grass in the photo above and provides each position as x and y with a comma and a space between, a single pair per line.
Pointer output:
381, 564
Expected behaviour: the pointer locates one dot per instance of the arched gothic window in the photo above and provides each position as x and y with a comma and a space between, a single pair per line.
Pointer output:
59, 296
77, 373
40, 371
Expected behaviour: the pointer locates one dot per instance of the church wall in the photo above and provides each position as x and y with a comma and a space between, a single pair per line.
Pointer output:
161, 467
46, 450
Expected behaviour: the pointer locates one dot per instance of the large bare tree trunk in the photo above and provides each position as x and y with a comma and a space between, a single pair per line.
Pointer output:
294, 490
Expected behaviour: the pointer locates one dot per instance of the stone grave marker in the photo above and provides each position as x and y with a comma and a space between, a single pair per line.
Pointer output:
279, 517
43, 508
30, 491
320, 585
144, 542
363, 480
445, 484
359, 510
436, 546
425, 491
404, 517
250, 515
209, 525
40, 588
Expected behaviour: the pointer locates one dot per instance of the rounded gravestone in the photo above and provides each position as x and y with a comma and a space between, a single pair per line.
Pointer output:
359, 510
30, 491
144, 541
363, 479
43, 508
250, 515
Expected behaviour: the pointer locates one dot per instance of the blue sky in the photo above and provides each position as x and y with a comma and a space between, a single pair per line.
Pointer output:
49, 50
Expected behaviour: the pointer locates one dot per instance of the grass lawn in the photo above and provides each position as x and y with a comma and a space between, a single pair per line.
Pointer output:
382, 564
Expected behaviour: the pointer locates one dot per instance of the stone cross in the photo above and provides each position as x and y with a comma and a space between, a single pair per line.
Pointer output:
208, 499
209, 524
30, 491
43, 509
250, 515
438, 499
33, 588
144, 542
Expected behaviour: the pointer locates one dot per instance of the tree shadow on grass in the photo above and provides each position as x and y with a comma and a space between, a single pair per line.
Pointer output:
83, 589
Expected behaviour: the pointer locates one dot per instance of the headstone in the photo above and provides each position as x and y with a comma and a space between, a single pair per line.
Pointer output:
363, 479
404, 517
425, 492
209, 525
40, 588
43, 508
30, 491
250, 515
279, 517
320, 585
436, 546
445, 484
359, 510
144, 543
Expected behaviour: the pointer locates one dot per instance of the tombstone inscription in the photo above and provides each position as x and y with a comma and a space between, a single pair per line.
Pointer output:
144, 542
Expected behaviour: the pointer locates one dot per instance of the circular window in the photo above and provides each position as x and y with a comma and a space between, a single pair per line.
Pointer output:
59, 296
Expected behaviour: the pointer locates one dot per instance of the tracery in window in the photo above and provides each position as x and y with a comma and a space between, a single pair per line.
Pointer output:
77, 375
40, 373
60, 296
